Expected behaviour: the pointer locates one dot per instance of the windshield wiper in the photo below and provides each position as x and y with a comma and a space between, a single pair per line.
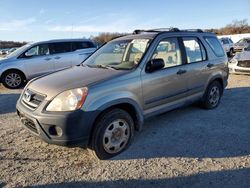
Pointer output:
101, 66
106, 67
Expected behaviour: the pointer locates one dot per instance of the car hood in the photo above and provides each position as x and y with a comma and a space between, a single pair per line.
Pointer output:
75, 77
245, 55
242, 44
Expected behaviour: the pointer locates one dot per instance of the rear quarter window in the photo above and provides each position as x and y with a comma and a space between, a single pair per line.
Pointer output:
215, 45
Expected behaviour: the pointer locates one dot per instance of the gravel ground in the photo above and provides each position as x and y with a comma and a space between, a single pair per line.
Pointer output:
188, 147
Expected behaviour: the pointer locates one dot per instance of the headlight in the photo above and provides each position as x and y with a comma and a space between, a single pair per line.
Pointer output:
233, 61
68, 100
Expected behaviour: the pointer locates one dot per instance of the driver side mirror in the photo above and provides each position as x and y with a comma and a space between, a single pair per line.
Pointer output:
28, 54
154, 65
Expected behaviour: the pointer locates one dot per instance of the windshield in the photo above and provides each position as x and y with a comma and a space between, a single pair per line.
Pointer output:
222, 41
244, 41
18, 51
241, 41
121, 54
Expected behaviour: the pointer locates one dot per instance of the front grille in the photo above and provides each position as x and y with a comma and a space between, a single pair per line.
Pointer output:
243, 71
238, 49
32, 99
245, 63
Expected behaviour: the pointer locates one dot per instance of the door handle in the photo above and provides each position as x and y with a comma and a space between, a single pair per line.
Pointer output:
181, 71
209, 65
47, 59
57, 57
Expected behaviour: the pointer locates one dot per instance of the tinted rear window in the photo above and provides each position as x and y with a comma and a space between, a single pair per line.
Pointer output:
60, 47
82, 45
214, 43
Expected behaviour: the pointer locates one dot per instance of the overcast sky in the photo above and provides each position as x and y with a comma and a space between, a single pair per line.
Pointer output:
31, 20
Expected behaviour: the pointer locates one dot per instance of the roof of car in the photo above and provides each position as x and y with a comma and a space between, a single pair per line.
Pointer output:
64, 40
150, 34
224, 38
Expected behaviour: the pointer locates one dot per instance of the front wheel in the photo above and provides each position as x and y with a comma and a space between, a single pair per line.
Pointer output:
211, 98
13, 79
112, 135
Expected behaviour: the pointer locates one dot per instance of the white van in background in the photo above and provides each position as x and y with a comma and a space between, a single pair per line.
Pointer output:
40, 58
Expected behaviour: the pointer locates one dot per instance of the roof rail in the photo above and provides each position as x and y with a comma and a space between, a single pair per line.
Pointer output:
171, 29
163, 29
192, 30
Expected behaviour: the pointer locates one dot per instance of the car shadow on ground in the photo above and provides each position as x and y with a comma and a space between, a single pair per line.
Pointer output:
197, 133
225, 178
8, 102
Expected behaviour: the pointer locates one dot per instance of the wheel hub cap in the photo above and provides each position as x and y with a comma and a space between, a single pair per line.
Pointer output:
116, 136
214, 96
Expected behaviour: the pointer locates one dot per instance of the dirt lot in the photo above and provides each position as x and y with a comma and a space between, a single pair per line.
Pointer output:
188, 147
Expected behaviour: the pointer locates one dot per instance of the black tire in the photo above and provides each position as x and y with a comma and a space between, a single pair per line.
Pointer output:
210, 101
18, 79
231, 51
104, 126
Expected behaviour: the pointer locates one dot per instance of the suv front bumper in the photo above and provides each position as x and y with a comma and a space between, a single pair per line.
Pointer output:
233, 68
60, 128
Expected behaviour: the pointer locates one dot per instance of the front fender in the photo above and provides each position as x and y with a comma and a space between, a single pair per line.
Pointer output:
12, 65
117, 98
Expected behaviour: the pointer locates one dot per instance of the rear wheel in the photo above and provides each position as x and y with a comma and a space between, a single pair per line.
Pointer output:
112, 135
13, 79
231, 51
211, 98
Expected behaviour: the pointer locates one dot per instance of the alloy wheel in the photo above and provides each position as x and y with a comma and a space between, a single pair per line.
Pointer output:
13, 80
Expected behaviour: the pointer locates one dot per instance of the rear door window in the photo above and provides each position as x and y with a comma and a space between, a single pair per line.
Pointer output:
194, 50
60, 47
215, 45
82, 45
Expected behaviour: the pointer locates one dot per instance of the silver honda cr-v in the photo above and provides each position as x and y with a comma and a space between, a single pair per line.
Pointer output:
40, 58
100, 103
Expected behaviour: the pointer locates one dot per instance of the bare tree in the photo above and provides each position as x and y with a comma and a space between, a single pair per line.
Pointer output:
105, 37
236, 27
11, 44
